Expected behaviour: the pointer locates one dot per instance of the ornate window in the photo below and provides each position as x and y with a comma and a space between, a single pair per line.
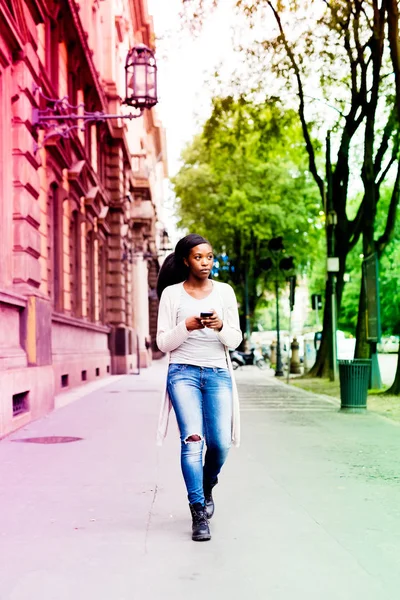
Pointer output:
102, 270
56, 212
90, 277
73, 76
75, 263
101, 155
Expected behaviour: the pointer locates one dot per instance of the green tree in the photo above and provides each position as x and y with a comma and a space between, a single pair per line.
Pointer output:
341, 49
389, 277
393, 33
389, 286
245, 180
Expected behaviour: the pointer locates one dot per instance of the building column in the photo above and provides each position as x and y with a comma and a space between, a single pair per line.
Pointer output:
25, 311
26, 218
153, 306
122, 338
141, 308
36, 317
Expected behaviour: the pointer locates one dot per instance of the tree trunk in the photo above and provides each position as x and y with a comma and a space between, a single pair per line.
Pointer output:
393, 35
394, 390
321, 366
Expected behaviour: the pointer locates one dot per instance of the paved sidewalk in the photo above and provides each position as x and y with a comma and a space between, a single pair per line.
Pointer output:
307, 508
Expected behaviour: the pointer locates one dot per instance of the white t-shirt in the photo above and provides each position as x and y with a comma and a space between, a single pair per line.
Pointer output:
202, 348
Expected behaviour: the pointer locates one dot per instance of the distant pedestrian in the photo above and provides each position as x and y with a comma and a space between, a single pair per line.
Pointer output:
198, 322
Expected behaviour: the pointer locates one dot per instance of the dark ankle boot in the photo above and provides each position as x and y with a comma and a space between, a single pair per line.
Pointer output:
210, 507
200, 528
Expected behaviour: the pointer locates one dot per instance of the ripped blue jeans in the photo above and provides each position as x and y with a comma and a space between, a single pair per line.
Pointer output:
202, 401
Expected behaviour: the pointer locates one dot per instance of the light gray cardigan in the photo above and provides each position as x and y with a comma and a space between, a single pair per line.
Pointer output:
170, 335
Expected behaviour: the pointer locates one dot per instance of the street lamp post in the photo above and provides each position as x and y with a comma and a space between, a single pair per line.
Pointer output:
278, 263
332, 264
279, 365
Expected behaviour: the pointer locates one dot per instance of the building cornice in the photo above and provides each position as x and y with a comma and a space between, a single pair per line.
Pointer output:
9, 28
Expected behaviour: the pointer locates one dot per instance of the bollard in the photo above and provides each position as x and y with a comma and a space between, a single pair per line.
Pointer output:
295, 358
273, 353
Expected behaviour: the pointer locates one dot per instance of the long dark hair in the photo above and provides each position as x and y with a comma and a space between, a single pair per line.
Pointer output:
173, 269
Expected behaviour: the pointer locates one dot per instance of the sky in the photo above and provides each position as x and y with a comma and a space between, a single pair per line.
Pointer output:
184, 63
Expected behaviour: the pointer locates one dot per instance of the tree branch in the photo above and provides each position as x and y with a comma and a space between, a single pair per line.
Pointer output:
306, 134
342, 169
387, 235
353, 63
385, 172
366, 16
356, 225
359, 104
326, 104
387, 134
377, 43
394, 44
356, 28
393, 158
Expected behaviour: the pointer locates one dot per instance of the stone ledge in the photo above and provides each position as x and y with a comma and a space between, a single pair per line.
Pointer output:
60, 354
12, 358
7, 297
74, 322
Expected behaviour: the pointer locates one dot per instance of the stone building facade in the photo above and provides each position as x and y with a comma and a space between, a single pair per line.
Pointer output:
80, 215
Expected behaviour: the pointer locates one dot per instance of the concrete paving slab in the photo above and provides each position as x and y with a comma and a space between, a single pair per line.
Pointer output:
307, 508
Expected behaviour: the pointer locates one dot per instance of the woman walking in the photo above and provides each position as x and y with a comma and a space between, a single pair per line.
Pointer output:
198, 322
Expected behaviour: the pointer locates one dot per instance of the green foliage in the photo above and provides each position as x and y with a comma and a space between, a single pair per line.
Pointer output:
351, 291
389, 272
244, 180
338, 62
317, 275
390, 289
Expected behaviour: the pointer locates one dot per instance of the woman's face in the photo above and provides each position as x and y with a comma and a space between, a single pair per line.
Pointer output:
200, 261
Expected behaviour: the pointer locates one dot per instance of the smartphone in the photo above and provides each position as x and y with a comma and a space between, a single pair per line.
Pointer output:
205, 315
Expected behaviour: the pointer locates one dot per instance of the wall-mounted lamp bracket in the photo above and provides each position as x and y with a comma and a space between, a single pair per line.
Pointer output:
62, 117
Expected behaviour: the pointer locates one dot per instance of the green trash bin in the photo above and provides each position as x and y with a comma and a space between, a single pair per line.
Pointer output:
354, 380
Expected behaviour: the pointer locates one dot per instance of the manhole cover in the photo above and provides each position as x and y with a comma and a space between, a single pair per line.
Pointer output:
50, 439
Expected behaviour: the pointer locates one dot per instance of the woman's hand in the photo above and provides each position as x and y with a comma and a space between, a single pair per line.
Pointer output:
213, 322
193, 323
